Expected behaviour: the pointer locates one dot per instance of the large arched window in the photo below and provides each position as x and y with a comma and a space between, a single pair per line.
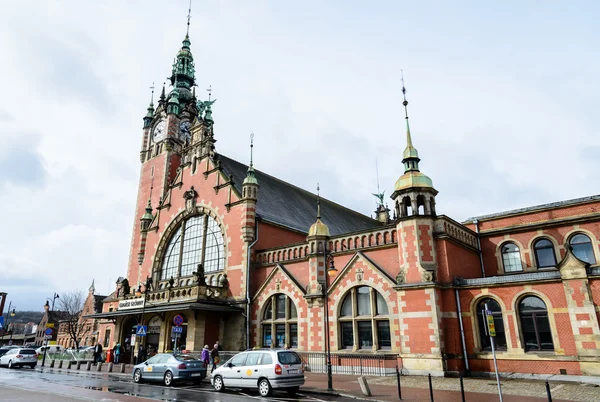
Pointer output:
198, 240
511, 258
280, 323
583, 248
484, 336
535, 325
544, 253
364, 320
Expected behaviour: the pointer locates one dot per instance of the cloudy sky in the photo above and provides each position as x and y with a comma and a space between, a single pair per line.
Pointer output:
503, 99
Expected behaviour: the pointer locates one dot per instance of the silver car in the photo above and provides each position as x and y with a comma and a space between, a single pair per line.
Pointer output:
19, 357
168, 368
264, 370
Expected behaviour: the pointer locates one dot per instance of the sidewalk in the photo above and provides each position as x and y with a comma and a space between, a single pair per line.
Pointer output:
416, 388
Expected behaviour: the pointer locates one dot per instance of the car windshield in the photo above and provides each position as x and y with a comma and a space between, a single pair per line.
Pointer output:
27, 351
288, 358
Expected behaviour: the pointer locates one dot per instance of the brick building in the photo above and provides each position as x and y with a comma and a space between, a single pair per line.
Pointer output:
86, 328
246, 258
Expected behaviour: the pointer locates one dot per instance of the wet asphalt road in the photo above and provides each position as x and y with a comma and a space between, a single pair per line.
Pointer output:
91, 386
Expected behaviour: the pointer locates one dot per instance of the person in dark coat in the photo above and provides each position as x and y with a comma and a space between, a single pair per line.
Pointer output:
98, 352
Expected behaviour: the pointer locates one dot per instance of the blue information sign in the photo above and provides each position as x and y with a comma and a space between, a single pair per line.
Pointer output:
48, 331
177, 330
1, 321
141, 330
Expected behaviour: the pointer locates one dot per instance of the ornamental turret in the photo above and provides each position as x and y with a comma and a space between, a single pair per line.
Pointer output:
250, 196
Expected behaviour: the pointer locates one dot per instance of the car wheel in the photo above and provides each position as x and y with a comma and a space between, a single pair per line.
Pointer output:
292, 391
137, 376
264, 388
218, 383
10, 365
32, 366
168, 380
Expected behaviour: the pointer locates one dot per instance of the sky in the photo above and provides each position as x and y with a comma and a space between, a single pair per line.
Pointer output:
503, 98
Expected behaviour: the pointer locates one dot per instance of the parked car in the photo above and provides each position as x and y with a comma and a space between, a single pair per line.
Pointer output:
169, 368
19, 357
50, 349
4, 349
262, 369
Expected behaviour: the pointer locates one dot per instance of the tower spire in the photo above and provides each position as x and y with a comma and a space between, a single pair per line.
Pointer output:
318, 228
250, 177
318, 203
187, 32
410, 156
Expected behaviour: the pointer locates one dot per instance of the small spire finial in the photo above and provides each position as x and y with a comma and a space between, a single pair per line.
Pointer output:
405, 103
251, 146
379, 195
318, 202
209, 90
187, 33
152, 95
162, 94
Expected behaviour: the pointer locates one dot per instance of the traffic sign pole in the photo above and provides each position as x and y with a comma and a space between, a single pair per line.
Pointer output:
491, 327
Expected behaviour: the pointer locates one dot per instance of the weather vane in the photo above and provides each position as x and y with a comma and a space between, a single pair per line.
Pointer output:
251, 146
152, 96
187, 33
209, 90
378, 195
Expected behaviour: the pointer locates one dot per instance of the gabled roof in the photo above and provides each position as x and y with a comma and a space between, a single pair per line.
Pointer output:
287, 205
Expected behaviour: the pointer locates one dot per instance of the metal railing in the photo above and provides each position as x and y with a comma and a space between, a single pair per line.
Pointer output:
354, 364
71, 355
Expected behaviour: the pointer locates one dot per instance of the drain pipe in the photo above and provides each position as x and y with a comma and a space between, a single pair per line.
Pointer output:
462, 331
476, 222
248, 287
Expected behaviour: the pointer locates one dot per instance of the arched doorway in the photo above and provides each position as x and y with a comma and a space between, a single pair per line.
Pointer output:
127, 330
153, 335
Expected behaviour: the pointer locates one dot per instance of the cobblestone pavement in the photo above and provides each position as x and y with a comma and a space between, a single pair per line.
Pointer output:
559, 390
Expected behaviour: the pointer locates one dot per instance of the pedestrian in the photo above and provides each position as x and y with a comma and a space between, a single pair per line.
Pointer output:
117, 352
98, 352
216, 359
141, 354
219, 347
205, 355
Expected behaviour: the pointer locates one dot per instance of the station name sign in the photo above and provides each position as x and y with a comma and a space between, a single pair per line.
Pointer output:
131, 303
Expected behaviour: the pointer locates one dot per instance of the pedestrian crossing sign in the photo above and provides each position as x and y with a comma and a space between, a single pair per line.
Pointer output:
141, 330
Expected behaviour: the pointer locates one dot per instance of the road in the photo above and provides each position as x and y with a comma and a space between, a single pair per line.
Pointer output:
50, 385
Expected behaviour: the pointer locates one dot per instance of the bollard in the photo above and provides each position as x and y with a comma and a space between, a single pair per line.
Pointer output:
122, 368
52, 363
398, 381
79, 364
88, 366
110, 367
69, 364
99, 366
430, 389
548, 391
462, 389
60, 363
364, 386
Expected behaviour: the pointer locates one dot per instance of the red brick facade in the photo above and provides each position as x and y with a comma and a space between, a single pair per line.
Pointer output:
396, 282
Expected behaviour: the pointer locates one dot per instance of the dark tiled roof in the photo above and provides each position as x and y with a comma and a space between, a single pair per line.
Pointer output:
558, 204
290, 206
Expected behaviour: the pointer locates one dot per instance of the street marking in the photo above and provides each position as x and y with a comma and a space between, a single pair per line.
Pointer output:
312, 397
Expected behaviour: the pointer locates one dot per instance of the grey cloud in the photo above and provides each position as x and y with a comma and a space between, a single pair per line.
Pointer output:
6, 117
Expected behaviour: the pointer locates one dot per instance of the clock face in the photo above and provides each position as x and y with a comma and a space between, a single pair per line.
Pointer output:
159, 131
184, 131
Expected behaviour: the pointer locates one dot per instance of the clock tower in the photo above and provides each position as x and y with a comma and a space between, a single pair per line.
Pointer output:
166, 132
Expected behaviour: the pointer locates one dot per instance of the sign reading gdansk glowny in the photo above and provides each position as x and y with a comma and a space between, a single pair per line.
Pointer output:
131, 303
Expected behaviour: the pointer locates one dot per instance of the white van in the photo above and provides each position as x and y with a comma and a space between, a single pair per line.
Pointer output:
49, 349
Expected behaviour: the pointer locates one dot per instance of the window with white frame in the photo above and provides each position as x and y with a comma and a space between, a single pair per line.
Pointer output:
511, 258
279, 323
364, 320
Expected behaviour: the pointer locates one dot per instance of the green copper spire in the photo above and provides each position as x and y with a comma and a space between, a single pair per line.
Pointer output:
150, 111
146, 219
173, 104
250, 177
410, 156
183, 72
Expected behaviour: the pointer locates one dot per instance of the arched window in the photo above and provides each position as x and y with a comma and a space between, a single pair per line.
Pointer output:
280, 323
364, 312
534, 324
583, 248
544, 253
484, 337
198, 240
511, 258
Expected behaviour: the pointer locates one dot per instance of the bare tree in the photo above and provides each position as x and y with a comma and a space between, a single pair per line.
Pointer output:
71, 305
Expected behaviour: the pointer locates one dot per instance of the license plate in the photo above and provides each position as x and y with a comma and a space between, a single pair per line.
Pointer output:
196, 375
294, 371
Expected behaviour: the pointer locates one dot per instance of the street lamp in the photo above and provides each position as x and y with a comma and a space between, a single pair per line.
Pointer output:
139, 293
11, 313
47, 307
330, 272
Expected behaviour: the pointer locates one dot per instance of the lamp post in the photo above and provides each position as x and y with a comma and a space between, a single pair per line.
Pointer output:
47, 307
139, 293
11, 313
330, 271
